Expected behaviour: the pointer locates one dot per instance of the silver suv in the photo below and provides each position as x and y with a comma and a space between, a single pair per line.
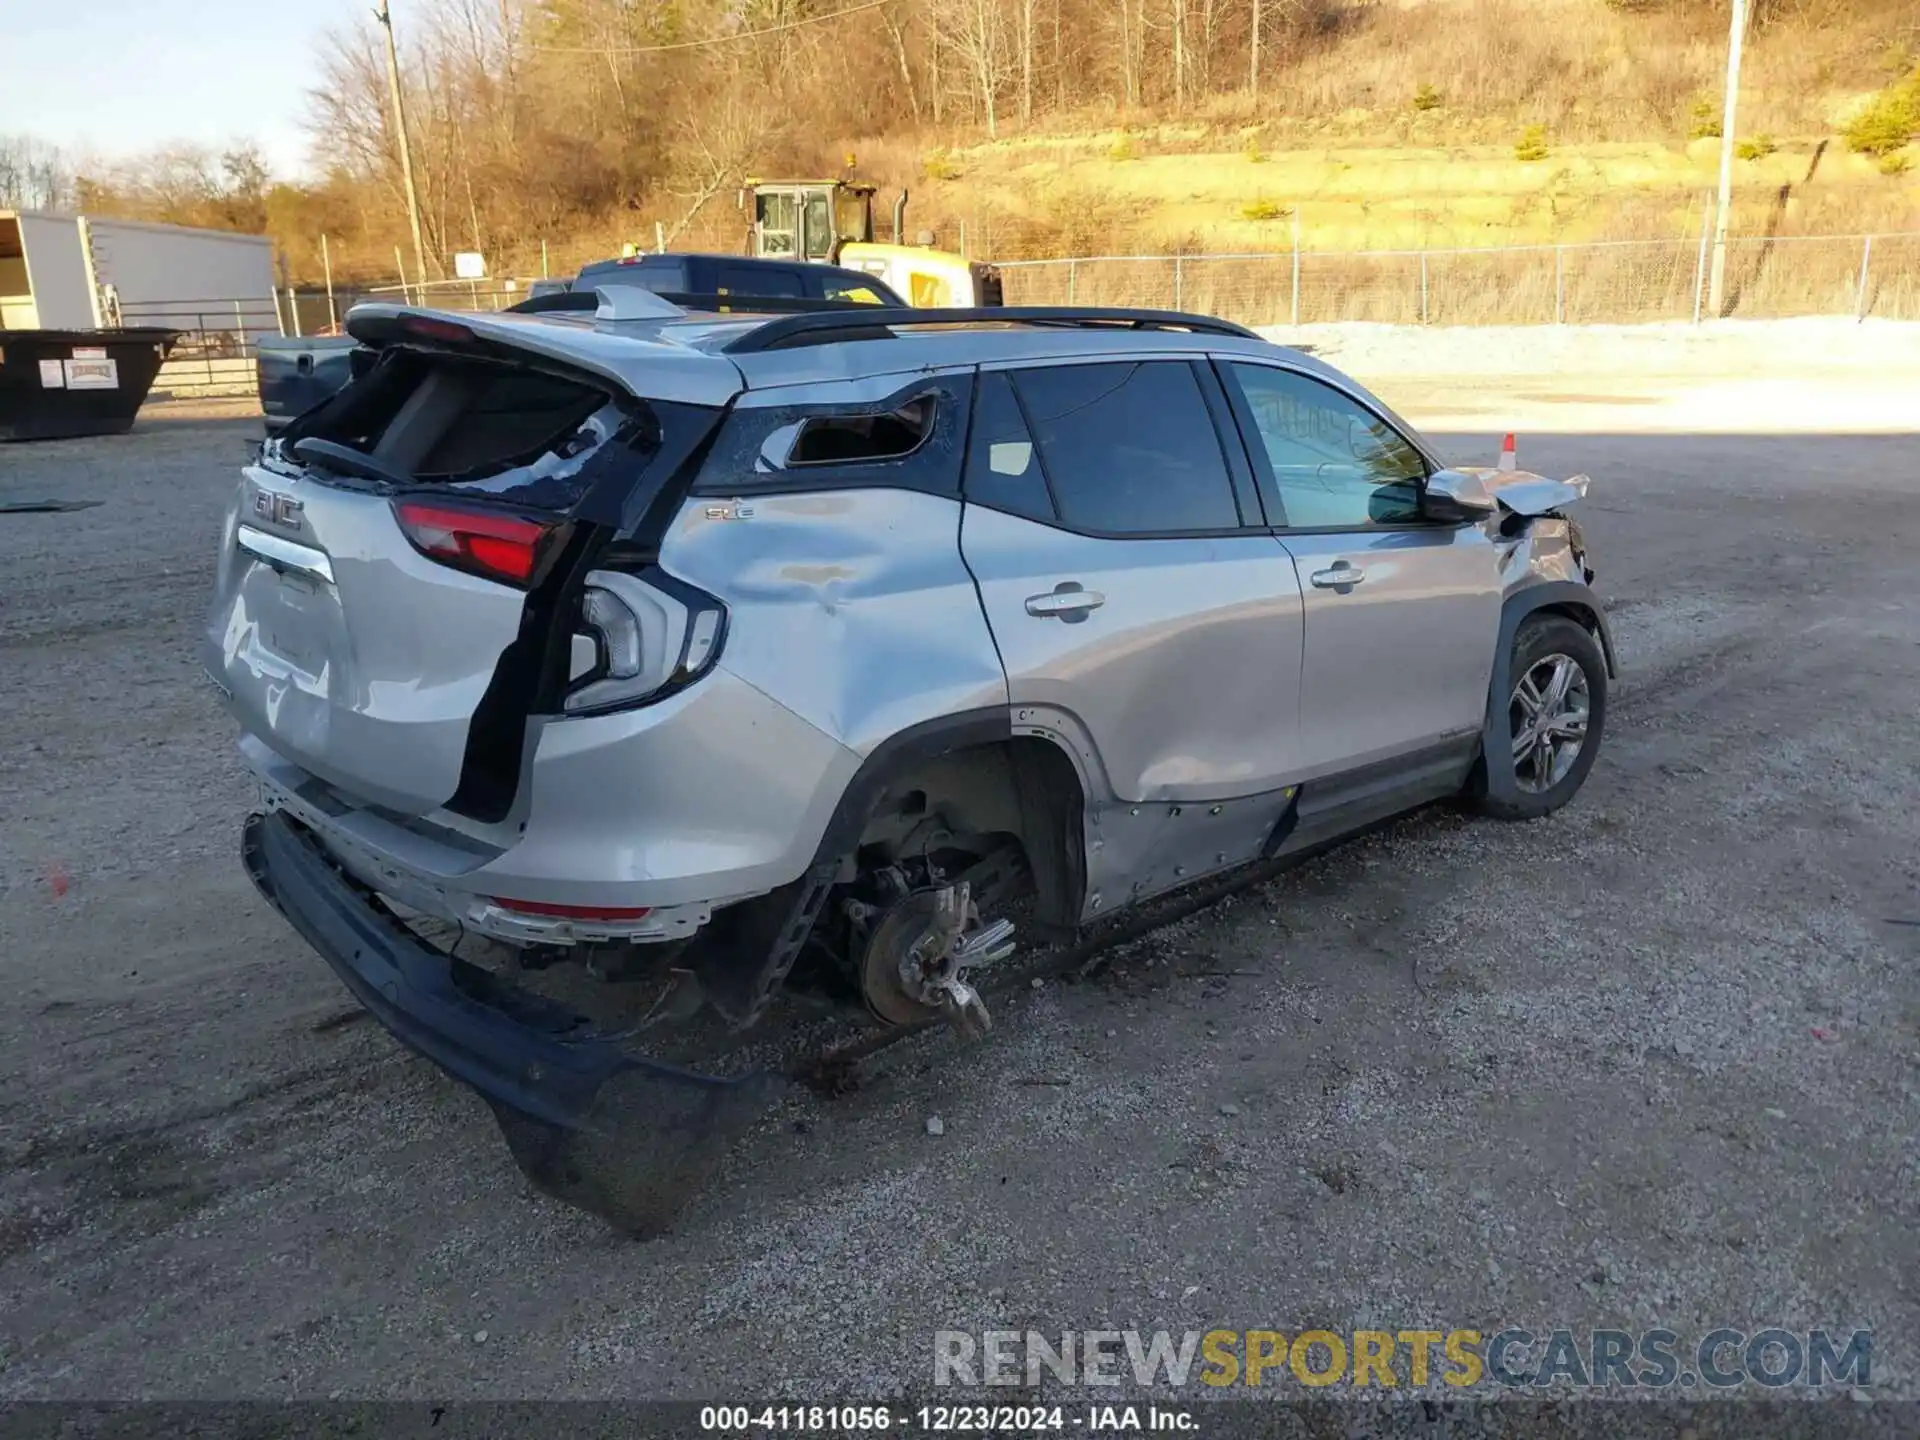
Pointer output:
717, 657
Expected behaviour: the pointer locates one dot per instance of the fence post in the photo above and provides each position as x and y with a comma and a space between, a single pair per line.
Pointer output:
1559, 284
1296, 265
1423, 287
1073, 274
1860, 295
1700, 264
1178, 285
326, 261
543, 259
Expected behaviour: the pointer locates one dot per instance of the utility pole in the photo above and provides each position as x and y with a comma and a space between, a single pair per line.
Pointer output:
1717, 285
406, 150
1253, 52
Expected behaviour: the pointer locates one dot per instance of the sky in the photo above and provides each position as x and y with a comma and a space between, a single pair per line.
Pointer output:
111, 78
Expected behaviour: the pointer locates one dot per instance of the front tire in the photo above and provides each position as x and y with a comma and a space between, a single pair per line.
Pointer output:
1556, 710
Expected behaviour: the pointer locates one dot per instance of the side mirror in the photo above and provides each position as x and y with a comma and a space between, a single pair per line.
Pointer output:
1452, 497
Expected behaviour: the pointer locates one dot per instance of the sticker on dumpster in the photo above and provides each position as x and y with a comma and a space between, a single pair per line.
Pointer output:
88, 352
93, 374
52, 377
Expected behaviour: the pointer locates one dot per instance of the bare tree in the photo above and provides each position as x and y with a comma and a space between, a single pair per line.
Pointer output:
716, 145
1026, 60
1253, 51
975, 31
34, 175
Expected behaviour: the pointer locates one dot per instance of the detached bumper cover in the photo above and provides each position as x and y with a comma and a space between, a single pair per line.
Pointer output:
617, 1134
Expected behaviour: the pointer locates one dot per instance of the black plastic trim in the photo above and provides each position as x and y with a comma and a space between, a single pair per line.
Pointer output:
1349, 800
1246, 491
933, 466
517, 1048
622, 1136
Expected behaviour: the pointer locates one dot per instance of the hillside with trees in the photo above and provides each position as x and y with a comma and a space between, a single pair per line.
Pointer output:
1061, 126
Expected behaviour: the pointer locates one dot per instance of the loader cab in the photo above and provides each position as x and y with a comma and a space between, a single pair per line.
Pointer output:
809, 219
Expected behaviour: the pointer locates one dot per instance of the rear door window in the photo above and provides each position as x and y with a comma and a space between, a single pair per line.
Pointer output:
1128, 447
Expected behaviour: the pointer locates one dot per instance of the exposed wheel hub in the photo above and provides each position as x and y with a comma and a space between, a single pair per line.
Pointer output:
918, 951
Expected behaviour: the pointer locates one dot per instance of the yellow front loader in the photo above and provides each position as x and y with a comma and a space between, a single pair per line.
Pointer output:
830, 222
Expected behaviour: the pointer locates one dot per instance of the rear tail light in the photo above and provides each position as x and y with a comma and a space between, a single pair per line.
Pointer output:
652, 635
550, 910
482, 542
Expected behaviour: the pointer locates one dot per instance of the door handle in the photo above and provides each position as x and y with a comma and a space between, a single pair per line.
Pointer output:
1339, 577
1069, 604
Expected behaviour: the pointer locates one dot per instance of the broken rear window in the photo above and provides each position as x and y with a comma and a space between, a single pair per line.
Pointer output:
520, 433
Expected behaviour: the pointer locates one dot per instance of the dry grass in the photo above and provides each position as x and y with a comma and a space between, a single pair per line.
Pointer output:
1391, 126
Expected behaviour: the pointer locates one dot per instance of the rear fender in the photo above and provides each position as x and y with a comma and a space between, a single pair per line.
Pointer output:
625, 496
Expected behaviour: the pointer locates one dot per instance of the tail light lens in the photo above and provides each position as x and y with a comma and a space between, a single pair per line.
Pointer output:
483, 542
652, 635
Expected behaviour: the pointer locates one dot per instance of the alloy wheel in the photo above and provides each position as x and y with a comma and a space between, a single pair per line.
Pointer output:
1548, 713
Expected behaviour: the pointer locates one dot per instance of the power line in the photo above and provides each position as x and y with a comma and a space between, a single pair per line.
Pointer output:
712, 39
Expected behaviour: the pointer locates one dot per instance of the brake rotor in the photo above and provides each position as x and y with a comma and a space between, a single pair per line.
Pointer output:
905, 940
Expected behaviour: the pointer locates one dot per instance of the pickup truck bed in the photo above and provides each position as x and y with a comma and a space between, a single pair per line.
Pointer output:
298, 373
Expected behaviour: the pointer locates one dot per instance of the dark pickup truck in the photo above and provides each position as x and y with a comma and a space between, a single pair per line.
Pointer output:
296, 373
749, 277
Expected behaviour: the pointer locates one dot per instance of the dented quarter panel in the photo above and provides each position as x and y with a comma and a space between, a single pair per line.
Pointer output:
851, 605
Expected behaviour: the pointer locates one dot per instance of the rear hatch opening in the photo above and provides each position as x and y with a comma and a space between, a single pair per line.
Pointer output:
405, 585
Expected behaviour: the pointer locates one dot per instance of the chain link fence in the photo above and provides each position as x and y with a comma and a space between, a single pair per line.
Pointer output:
1610, 282
1606, 282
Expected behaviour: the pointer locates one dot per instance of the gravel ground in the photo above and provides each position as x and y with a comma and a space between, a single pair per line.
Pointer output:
1653, 1061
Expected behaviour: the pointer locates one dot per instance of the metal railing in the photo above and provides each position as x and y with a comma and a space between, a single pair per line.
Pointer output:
1606, 282
215, 352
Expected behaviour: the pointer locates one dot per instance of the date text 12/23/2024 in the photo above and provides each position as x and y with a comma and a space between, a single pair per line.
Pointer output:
942, 1419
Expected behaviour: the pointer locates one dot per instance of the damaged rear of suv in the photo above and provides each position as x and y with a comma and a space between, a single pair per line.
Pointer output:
717, 659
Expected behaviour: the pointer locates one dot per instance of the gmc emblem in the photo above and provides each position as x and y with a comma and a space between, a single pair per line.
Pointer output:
280, 509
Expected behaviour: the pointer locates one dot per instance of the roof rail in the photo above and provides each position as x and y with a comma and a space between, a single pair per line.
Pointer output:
875, 323
744, 305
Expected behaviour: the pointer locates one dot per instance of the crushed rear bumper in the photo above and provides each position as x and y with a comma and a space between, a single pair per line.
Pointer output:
624, 1137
